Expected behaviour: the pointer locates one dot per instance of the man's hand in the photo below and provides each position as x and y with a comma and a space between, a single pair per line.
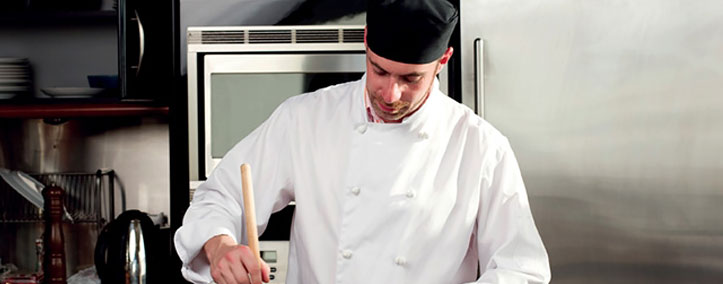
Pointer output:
232, 263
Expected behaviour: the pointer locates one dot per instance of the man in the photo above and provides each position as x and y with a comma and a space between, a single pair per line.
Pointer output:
393, 181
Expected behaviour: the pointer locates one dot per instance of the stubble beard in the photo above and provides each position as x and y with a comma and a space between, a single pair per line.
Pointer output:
400, 111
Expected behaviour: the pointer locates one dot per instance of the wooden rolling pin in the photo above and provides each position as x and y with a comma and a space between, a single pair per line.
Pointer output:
250, 211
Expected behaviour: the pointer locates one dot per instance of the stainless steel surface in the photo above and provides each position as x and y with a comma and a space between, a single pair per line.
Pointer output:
613, 110
193, 130
253, 35
135, 254
479, 75
277, 38
35, 146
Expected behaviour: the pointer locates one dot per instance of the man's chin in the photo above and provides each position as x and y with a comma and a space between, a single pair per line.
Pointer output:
390, 118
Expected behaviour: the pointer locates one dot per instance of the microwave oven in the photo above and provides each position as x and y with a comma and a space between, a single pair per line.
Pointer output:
237, 76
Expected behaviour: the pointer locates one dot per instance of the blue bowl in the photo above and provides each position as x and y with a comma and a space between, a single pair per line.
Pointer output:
103, 81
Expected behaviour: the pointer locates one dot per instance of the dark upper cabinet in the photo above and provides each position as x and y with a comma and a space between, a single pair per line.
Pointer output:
148, 49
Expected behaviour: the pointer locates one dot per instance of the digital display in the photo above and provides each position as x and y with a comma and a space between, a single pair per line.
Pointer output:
269, 256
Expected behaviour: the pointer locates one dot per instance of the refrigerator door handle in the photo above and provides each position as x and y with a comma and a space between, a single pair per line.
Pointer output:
141, 40
479, 72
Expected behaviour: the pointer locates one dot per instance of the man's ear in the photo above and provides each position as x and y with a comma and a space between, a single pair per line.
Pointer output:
445, 57
365, 37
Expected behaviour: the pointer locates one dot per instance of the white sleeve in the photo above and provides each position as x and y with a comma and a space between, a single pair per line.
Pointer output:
218, 203
509, 246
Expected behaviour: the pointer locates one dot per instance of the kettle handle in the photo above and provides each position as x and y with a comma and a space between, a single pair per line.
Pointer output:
101, 248
110, 248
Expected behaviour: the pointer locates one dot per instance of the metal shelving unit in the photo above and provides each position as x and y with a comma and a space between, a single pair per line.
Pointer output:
89, 198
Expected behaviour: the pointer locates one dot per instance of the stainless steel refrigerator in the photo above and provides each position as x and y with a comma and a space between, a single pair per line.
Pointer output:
615, 111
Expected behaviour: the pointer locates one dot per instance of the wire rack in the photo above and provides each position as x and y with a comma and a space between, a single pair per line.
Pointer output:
89, 198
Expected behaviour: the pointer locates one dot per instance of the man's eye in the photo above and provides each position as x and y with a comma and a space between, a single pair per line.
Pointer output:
412, 80
380, 72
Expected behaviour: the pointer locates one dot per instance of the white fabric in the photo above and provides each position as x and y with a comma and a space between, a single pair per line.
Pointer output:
420, 201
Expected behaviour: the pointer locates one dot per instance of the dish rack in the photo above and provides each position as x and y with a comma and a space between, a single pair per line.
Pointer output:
89, 198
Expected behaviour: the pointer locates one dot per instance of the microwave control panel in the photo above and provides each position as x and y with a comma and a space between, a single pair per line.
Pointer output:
276, 255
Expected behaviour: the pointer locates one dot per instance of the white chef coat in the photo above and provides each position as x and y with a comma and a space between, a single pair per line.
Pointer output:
421, 201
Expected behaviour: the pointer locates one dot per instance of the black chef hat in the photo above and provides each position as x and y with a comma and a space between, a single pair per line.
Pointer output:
410, 31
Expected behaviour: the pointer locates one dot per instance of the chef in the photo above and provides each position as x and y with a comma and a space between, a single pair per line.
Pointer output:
394, 182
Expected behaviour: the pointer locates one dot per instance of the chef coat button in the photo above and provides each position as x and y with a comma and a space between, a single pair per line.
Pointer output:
346, 254
361, 128
355, 190
423, 135
410, 194
400, 260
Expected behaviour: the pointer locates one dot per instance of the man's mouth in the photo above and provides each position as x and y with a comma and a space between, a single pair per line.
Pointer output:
385, 108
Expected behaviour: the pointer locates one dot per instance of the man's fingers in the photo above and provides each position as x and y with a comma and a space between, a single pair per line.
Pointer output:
251, 263
230, 269
238, 264
217, 273
219, 280
265, 272
237, 268
228, 277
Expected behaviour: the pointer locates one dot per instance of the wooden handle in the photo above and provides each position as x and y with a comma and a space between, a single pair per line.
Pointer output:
250, 211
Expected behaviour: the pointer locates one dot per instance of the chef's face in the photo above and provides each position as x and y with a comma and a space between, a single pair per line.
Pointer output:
396, 90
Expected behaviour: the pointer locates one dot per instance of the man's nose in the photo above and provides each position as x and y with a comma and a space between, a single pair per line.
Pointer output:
392, 92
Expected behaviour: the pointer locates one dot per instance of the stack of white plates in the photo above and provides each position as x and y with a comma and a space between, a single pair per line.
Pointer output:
14, 77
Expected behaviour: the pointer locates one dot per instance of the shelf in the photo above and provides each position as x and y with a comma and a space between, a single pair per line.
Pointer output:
76, 109
43, 18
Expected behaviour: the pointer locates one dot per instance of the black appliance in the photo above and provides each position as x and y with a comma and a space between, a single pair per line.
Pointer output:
115, 244
148, 45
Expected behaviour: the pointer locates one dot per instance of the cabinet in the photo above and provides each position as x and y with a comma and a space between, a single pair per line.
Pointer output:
138, 44
62, 49
44, 18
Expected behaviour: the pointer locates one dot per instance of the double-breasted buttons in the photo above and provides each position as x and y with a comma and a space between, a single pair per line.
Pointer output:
355, 190
400, 260
410, 194
361, 128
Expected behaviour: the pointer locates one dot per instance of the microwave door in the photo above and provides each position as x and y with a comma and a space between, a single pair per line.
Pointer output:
242, 90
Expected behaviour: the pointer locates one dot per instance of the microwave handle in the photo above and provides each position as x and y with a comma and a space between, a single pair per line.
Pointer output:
141, 40
479, 72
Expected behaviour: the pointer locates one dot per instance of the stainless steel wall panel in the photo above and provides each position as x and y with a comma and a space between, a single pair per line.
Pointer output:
613, 109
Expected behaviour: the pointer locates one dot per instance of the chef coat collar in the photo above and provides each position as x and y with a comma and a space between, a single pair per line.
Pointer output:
415, 122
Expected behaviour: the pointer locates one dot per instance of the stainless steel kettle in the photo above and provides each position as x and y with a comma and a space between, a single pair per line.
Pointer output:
124, 251
135, 254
